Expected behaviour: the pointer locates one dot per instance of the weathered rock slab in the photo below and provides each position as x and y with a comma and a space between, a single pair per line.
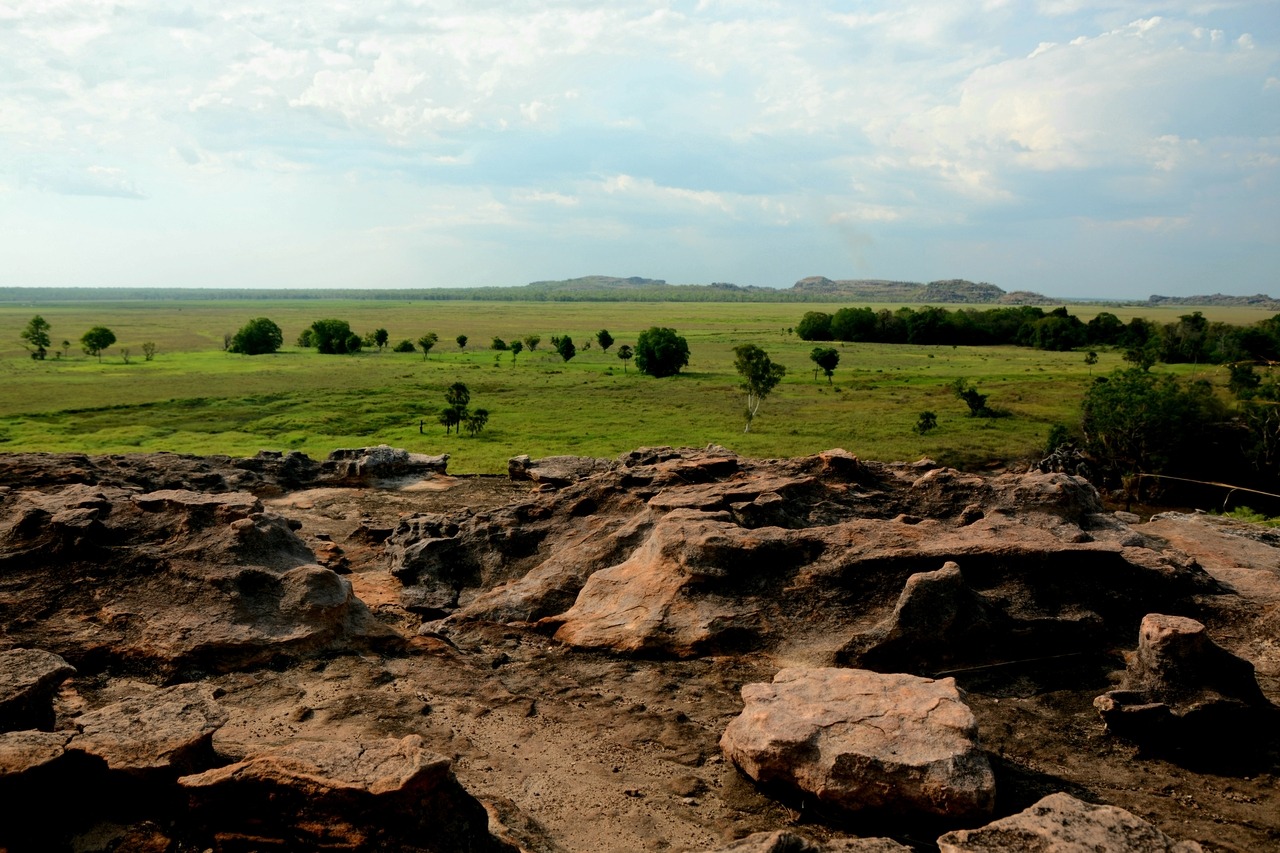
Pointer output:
28, 680
387, 794
1062, 824
167, 731
866, 742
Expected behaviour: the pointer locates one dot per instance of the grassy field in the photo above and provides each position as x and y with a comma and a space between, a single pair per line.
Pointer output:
196, 398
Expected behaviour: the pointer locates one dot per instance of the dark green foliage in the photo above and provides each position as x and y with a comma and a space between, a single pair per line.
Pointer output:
826, 359
927, 422
1059, 435
976, 402
305, 338
604, 339
149, 350
625, 353
532, 341
759, 376
380, 338
461, 341
516, 348
457, 396
814, 326
475, 422
564, 346
426, 342
1135, 421
660, 352
97, 339
853, 324
499, 344
257, 337
36, 335
334, 337
404, 346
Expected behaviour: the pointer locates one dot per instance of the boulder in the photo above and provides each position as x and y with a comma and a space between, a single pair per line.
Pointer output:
159, 733
367, 464
29, 678
385, 794
23, 752
1063, 824
556, 470
883, 745
1184, 691
782, 841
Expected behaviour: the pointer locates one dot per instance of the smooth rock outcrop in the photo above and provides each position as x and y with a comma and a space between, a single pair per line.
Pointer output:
165, 732
885, 745
29, 678
388, 794
1060, 823
367, 464
1183, 690
556, 470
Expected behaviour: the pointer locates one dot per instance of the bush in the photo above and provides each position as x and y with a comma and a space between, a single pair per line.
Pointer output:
660, 352
257, 337
814, 326
334, 337
405, 346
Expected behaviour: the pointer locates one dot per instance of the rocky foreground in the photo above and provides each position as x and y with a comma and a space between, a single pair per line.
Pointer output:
674, 650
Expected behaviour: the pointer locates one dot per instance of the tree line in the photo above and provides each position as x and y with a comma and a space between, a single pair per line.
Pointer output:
1192, 338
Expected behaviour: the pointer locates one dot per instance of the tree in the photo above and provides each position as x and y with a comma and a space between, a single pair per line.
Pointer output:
976, 402
380, 338
499, 344
532, 341
306, 339
404, 346
458, 397
97, 339
759, 376
66, 349
148, 350
476, 421
604, 339
814, 326
426, 342
516, 349
826, 359
36, 334
661, 352
625, 353
257, 337
334, 337
461, 341
124, 355
925, 423
564, 346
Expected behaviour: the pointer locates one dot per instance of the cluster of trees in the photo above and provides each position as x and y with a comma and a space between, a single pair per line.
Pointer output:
36, 337
457, 416
1192, 338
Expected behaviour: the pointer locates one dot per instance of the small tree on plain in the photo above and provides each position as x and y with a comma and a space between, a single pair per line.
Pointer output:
516, 349
564, 346
625, 353
149, 350
604, 339
380, 338
826, 359
124, 355
532, 341
36, 334
426, 342
404, 346
66, 349
759, 376
661, 352
257, 337
475, 422
96, 340
461, 341
499, 344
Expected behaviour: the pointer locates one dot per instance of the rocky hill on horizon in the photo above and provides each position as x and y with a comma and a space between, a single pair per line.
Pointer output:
674, 650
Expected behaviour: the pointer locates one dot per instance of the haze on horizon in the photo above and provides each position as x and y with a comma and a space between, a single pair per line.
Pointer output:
1078, 148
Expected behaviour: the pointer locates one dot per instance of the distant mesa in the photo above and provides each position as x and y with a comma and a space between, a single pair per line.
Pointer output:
1258, 300
948, 291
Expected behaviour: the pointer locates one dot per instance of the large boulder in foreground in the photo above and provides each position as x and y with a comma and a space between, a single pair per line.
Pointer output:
1063, 824
163, 733
883, 744
389, 794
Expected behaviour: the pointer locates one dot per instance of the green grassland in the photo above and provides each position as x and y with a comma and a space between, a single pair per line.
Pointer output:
196, 398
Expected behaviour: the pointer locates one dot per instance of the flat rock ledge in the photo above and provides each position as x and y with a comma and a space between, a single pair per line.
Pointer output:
1063, 824
882, 744
782, 841
28, 680
381, 795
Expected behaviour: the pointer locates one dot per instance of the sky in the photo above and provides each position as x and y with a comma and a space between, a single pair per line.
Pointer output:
1079, 148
